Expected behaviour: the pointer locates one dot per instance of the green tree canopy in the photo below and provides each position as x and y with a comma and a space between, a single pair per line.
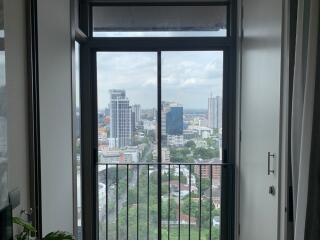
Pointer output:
205, 153
190, 144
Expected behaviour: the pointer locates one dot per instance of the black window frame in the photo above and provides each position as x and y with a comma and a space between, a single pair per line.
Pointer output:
88, 99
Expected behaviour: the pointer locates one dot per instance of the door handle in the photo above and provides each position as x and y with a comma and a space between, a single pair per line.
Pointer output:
269, 156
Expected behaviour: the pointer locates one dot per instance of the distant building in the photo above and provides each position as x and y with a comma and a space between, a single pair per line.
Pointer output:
172, 123
101, 117
215, 112
174, 120
190, 134
202, 131
165, 155
133, 120
120, 118
184, 219
203, 122
205, 172
215, 195
216, 221
111, 157
164, 109
175, 140
129, 155
136, 110
149, 125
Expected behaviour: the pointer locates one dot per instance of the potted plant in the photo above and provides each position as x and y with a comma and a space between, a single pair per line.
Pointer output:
29, 232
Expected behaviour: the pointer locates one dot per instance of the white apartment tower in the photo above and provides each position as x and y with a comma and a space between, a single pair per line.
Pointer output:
215, 112
120, 118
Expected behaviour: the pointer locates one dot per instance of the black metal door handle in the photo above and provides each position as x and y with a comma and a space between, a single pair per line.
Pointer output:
269, 156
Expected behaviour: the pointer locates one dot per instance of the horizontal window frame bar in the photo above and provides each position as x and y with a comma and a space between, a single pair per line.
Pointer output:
97, 3
135, 44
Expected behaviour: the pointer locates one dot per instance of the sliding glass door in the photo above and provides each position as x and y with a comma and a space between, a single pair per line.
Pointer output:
159, 121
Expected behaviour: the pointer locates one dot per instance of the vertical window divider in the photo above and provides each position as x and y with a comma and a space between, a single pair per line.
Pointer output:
159, 141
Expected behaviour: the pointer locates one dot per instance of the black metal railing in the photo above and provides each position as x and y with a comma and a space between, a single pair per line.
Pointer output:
189, 193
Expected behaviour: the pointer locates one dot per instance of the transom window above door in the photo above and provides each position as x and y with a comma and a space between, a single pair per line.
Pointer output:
160, 21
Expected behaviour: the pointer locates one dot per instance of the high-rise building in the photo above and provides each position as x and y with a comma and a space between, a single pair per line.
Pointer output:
136, 109
172, 122
215, 112
120, 118
219, 114
164, 109
133, 120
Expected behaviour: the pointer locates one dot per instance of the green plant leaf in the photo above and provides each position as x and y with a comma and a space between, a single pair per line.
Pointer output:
58, 235
27, 227
22, 236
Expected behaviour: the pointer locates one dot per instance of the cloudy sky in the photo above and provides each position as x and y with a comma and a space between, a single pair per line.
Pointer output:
187, 77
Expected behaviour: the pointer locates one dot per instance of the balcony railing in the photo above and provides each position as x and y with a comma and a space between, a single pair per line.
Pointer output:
182, 200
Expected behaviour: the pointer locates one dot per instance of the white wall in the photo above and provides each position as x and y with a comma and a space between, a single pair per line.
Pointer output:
261, 66
55, 114
16, 78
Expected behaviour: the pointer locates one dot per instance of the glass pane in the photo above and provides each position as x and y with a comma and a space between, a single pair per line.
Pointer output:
160, 21
127, 125
191, 132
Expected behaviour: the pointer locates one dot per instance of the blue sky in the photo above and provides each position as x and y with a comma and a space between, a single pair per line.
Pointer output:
187, 77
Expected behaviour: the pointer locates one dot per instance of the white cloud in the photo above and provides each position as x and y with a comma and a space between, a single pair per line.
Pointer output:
187, 77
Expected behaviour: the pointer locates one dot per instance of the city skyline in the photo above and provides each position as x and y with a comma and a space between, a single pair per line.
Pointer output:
183, 79
125, 119
202, 109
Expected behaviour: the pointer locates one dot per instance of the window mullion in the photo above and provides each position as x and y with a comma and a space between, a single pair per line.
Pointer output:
159, 141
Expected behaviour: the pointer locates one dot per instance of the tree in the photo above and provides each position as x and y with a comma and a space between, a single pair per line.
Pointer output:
205, 153
195, 207
190, 144
205, 184
165, 209
216, 212
215, 233
176, 155
179, 155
